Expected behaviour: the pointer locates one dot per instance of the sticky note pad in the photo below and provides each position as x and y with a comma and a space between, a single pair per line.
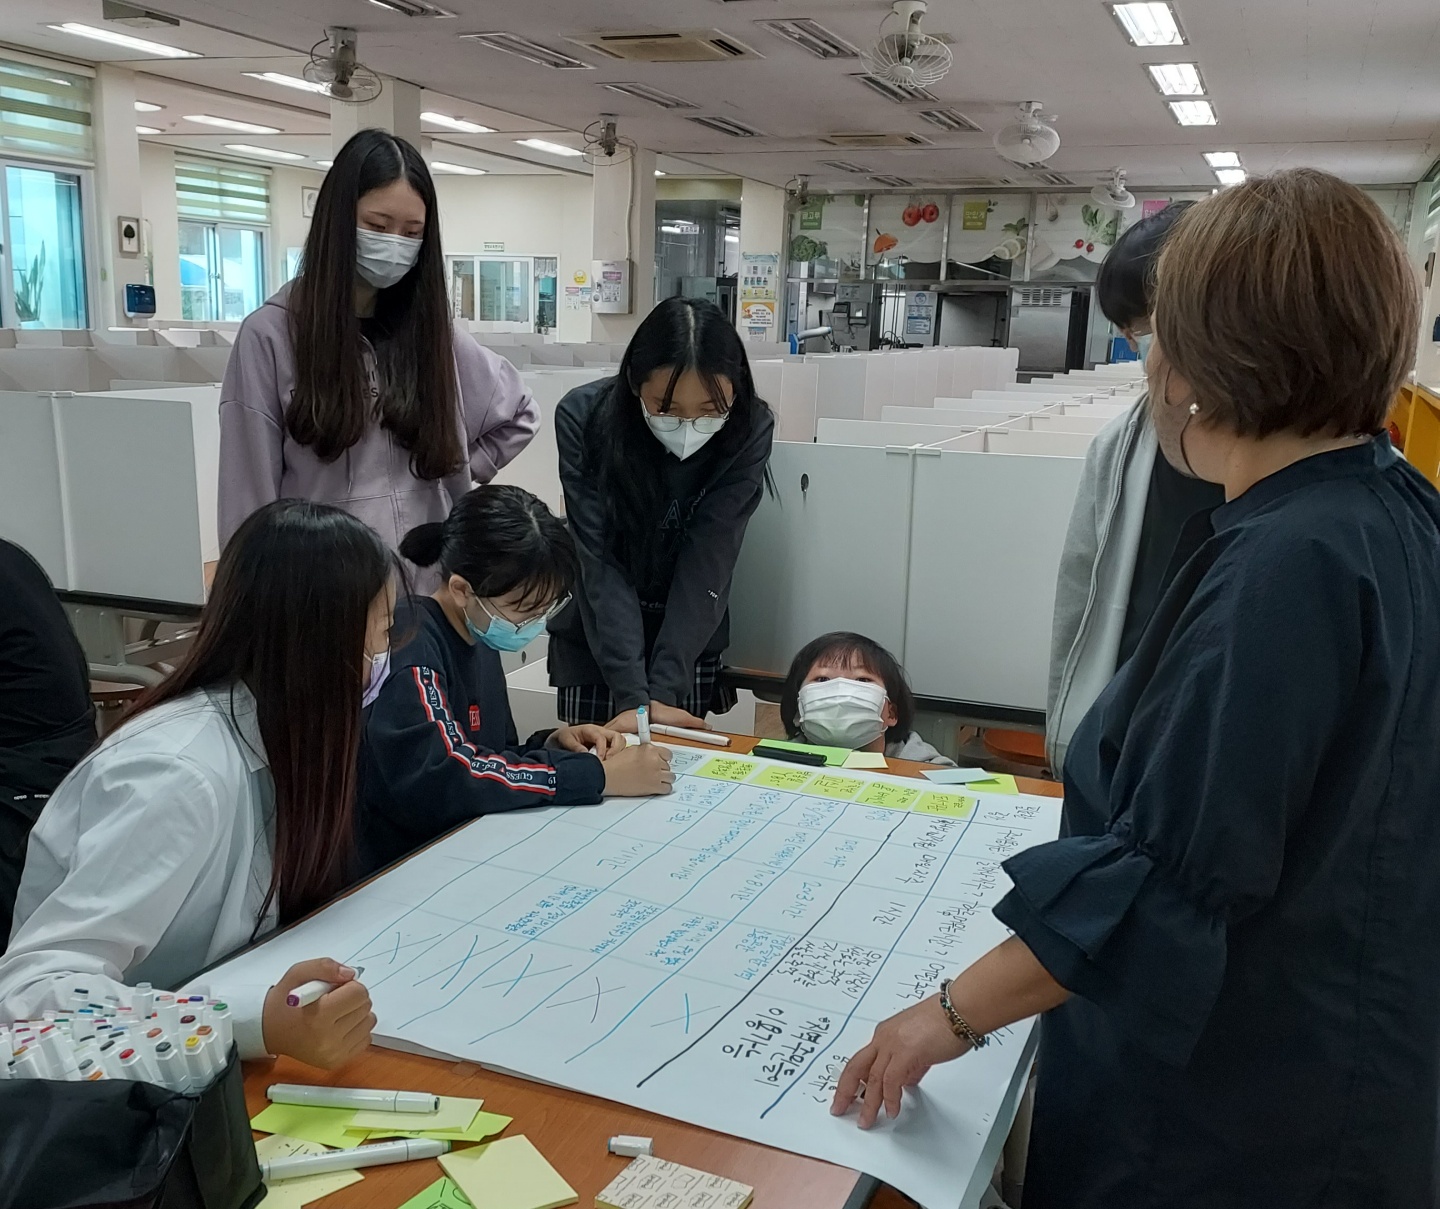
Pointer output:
892, 797
651, 1183
780, 777
324, 1125
302, 1189
725, 768
444, 1193
950, 804
454, 1113
483, 1126
996, 784
841, 789
956, 776
508, 1174
866, 759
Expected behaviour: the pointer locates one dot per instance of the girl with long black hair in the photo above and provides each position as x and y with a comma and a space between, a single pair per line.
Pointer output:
353, 386
223, 806
662, 466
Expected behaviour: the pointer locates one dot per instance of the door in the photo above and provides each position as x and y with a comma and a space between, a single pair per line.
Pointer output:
42, 235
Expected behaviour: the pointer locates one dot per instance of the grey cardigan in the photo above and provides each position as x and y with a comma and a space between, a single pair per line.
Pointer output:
371, 480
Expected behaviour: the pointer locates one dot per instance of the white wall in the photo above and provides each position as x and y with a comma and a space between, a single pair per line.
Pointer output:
531, 216
288, 225
157, 183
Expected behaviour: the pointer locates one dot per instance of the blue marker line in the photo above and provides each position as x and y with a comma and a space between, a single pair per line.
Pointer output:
687, 1012
529, 958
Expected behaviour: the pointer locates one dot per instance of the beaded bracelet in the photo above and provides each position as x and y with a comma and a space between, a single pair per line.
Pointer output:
958, 1024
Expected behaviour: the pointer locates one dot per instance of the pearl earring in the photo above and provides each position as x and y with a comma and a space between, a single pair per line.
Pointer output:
1194, 409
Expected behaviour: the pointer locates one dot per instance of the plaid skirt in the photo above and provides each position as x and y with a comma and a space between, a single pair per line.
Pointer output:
582, 704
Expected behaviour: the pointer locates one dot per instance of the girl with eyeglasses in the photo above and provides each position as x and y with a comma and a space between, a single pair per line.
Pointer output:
440, 746
663, 466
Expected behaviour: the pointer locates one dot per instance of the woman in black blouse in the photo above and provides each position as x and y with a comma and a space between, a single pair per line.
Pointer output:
1236, 942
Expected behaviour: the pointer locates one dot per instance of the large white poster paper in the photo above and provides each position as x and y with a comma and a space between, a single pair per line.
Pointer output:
716, 955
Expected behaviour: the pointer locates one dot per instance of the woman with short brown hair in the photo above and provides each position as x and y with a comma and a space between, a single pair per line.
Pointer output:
1237, 940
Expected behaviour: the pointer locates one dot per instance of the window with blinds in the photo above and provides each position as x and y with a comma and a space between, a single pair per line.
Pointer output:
209, 191
45, 111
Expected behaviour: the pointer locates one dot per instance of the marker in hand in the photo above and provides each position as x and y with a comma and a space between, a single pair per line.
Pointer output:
308, 992
642, 722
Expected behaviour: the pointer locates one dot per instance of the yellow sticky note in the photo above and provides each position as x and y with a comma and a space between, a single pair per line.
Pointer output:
952, 805
996, 784
841, 789
779, 777
324, 1125
483, 1126
508, 1174
892, 797
726, 768
651, 1183
302, 1189
454, 1113
866, 759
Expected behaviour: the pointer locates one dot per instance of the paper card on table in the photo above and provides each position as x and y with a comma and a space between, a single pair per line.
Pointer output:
834, 756
444, 1193
951, 805
324, 1125
866, 759
727, 768
651, 1183
956, 776
454, 1113
841, 789
508, 1174
892, 797
302, 1189
780, 777
483, 1126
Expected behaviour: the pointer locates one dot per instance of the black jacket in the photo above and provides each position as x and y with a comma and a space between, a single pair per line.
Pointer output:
439, 745
643, 639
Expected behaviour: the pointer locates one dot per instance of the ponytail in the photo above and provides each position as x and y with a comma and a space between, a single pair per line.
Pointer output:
424, 544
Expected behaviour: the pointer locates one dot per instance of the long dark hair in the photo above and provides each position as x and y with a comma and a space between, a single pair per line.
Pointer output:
499, 538
855, 651
414, 355
624, 457
287, 616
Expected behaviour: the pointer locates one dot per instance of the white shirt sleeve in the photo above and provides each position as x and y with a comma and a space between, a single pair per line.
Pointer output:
146, 850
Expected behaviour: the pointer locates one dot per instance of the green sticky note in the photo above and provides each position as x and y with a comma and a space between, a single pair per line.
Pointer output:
727, 768
483, 1126
950, 804
777, 776
892, 797
835, 757
866, 759
508, 1174
841, 789
444, 1193
324, 1125
996, 784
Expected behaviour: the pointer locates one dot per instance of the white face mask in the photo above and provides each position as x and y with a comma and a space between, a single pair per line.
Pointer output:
842, 713
383, 260
682, 437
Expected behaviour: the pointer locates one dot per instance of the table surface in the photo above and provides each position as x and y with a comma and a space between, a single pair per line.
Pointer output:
571, 1129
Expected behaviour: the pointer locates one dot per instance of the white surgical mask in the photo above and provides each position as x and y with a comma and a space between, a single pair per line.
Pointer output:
1142, 346
842, 713
375, 681
682, 437
383, 260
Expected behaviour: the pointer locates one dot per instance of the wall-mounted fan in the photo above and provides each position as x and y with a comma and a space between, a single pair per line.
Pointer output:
904, 55
339, 72
604, 143
1030, 140
797, 193
1114, 195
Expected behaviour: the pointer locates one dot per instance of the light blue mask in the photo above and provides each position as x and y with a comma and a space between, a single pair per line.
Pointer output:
1142, 345
502, 635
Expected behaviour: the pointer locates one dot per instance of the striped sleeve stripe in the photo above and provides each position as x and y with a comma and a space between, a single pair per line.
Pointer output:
528, 778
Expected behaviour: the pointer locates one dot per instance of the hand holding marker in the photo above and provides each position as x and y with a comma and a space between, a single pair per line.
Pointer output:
642, 722
307, 993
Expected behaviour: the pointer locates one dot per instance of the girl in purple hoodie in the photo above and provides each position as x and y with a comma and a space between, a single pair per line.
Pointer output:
352, 386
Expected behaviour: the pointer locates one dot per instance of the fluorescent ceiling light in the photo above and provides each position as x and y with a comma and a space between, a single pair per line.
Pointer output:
1230, 176
205, 119
147, 130
143, 45
324, 163
1149, 24
460, 124
1222, 159
265, 153
1193, 113
279, 77
147, 107
552, 148
1177, 79
456, 169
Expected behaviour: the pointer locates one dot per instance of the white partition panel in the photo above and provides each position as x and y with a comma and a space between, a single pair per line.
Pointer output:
986, 542
824, 555
769, 376
1042, 444
799, 384
45, 369
878, 435
1107, 409
32, 513
879, 383
999, 366
537, 468
935, 415
927, 377
997, 405
840, 386
970, 442
1069, 423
